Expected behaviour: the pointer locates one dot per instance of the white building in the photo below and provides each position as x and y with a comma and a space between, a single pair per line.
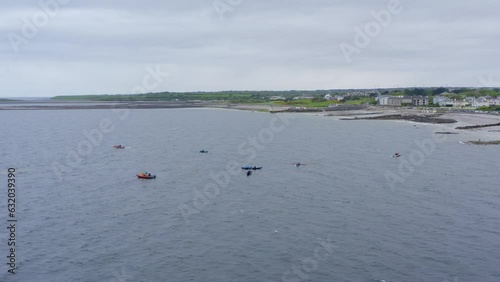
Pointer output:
437, 99
495, 102
338, 98
443, 101
335, 98
460, 103
480, 102
303, 98
383, 100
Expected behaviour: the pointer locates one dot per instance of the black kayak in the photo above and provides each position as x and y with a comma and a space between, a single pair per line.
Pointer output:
251, 167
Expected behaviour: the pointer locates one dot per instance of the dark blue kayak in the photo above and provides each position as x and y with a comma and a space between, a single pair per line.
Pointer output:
249, 167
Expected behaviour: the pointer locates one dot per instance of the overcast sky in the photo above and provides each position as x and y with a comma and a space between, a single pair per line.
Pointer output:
113, 46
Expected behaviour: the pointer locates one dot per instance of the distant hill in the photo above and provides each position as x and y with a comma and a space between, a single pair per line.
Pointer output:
260, 96
233, 96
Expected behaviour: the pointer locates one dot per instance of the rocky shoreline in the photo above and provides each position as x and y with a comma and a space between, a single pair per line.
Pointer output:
497, 142
478, 126
434, 119
297, 110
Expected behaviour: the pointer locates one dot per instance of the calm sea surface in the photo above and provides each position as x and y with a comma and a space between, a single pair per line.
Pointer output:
84, 216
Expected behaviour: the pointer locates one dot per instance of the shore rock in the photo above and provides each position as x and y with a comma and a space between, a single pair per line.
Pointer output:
483, 142
478, 126
414, 118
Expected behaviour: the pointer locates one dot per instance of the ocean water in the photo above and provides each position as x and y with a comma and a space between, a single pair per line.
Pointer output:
352, 213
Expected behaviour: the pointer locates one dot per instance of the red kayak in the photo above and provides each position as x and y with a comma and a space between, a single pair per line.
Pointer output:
142, 176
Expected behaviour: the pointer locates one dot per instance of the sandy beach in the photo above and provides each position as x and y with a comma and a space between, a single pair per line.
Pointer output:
468, 119
462, 119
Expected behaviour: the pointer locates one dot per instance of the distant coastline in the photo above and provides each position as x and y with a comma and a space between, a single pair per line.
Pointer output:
94, 105
467, 125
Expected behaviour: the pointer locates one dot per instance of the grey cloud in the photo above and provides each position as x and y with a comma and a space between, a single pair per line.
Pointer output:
104, 46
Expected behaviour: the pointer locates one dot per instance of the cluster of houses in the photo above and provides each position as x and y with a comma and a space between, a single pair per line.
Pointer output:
281, 98
364, 93
442, 100
445, 99
486, 101
332, 97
